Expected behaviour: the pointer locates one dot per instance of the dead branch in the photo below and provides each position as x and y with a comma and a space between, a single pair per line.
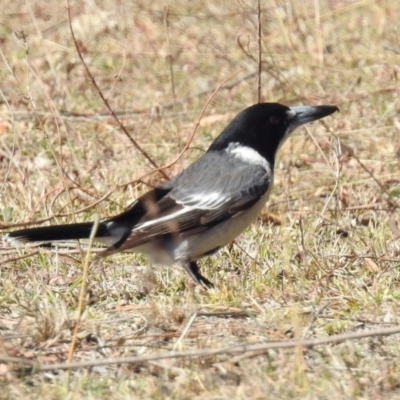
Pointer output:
260, 348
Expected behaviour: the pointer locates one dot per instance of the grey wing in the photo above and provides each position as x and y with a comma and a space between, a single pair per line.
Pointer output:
200, 197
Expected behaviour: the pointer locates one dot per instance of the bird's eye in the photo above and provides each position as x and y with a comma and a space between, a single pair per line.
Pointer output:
275, 120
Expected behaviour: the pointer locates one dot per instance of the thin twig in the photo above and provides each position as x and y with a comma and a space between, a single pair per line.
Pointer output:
169, 57
82, 293
177, 158
105, 101
259, 52
58, 215
185, 331
15, 259
383, 189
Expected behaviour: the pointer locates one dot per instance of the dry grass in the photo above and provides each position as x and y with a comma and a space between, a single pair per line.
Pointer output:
327, 263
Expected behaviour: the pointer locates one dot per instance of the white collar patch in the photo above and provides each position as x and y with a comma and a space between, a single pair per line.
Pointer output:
248, 155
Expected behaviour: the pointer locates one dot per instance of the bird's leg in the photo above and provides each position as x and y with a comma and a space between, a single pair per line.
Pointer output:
193, 271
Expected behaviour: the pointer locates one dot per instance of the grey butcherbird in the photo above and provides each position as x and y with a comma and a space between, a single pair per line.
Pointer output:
208, 204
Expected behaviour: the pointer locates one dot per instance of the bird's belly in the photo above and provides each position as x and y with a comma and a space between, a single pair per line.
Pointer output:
157, 252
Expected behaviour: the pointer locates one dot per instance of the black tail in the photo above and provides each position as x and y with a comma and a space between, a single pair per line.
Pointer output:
111, 232
57, 232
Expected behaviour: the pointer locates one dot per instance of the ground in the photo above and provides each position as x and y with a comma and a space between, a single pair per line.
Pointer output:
321, 261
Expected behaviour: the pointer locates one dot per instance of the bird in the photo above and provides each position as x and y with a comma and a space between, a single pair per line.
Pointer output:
207, 205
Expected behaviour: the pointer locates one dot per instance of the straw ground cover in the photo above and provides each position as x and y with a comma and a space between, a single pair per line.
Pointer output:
321, 261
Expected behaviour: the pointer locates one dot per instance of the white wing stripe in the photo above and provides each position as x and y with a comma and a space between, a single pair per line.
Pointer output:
162, 219
208, 201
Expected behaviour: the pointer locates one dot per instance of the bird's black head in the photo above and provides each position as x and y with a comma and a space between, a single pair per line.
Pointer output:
265, 126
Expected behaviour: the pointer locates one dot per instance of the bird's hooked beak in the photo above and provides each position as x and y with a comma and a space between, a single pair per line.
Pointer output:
300, 115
